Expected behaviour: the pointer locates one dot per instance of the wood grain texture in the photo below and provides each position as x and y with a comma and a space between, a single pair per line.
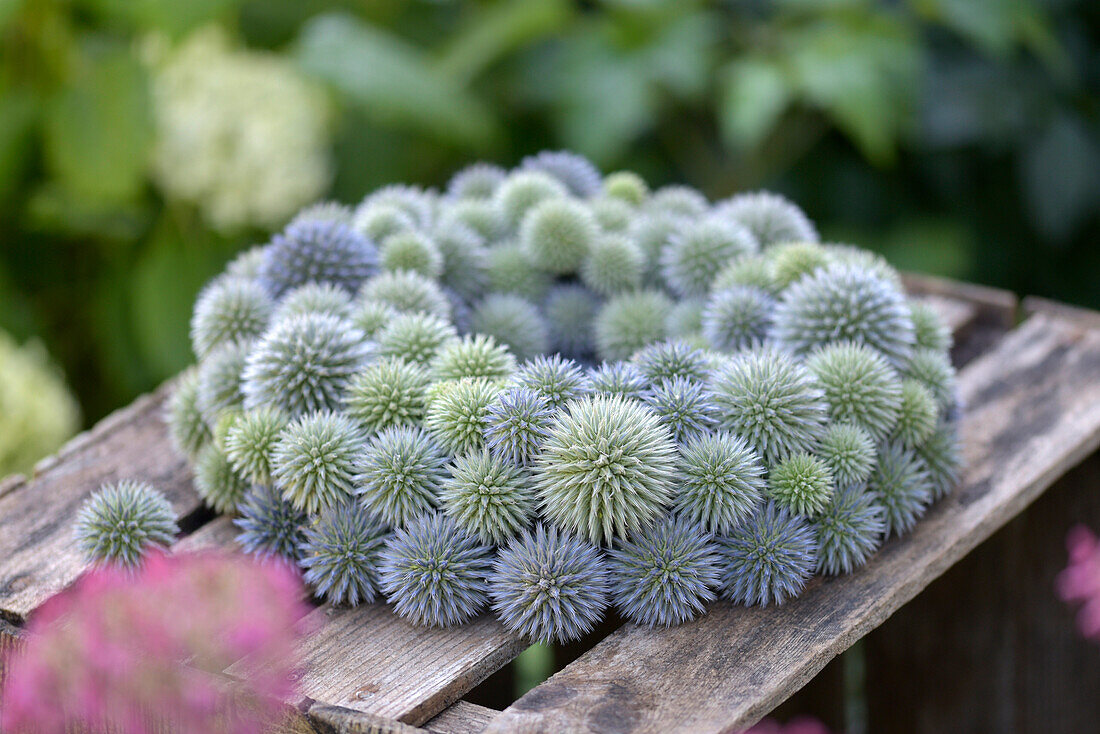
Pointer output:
38, 556
1033, 411
461, 717
218, 534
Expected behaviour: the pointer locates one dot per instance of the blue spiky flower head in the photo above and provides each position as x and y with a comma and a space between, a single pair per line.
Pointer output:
407, 291
737, 318
917, 414
250, 440
122, 521
315, 298
619, 378
411, 250
434, 572
607, 468
516, 425
849, 452
614, 263
768, 559
314, 459
771, 400
340, 553
860, 386
228, 310
186, 426
304, 363
269, 525
684, 406
465, 258
671, 359
849, 529
215, 481
555, 378
901, 485
458, 416
388, 392
473, 355
651, 231
557, 234
320, 251
514, 322
770, 217
801, 483
576, 172
721, 481
630, 321
399, 475
696, 253
475, 181
220, 377
666, 575
549, 586
415, 337
570, 311
488, 496
247, 263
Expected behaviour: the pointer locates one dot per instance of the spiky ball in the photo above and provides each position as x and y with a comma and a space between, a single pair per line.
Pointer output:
860, 386
791, 261
459, 415
613, 264
849, 529
315, 458
228, 310
845, 303
517, 423
476, 181
317, 251
768, 559
941, 459
607, 468
557, 234
934, 370
627, 186
770, 217
315, 298
122, 521
510, 271
512, 321
570, 313
415, 337
414, 201
434, 572
849, 452
685, 319
388, 392
917, 414
473, 355
379, 221
413, 251
215, 481
576, 172
304, 364
488, 496
696, 252
620, 378
801, 484
371, 317
408, 292
613, 215
186, 426
679, 201
549, 586
652, 231
664, 576
340, 553
668, 360
249, 442
220, 380
630, 321
465, 259
269, 525
399, 474
325, 211
247, 263
683, 406
721, 481
555, 378
754, 271
901, 485
521, 191
774, 402
737, 318
929, 330
483, 217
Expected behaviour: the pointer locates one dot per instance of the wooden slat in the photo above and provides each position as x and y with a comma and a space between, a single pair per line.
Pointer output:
1083, 316
37, 554
218, 534
995, 304
1033, 411
461, 717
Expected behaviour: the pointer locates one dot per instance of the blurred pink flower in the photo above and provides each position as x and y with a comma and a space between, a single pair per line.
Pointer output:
144, 650
1080, 581
797, 725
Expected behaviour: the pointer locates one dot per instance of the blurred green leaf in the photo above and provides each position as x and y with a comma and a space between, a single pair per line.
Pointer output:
682, 54
1060, 176
174, 17
753, 95
18, 115
54, 208
8, 9
98, 130
993, 25
392, 81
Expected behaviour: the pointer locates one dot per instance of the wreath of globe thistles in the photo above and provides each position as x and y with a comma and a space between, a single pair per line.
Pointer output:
631, 396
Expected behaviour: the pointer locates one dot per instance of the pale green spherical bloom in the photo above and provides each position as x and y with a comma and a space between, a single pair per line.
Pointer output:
630, 321
556, 235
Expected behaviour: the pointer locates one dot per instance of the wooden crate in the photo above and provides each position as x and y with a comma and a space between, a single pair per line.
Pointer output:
1032, 396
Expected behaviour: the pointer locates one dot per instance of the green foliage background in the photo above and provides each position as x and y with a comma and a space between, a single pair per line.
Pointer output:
958, 137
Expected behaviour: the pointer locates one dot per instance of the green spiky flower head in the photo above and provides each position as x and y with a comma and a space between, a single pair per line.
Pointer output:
122, 521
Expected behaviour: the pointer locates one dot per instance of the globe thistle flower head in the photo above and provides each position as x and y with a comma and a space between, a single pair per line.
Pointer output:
476, 181
667, 360
771, 400
802, 484
917, 414
683, 406
790, 261
665, 576
510, 271
434, 572
556, 235
934, 370
399, 475
941, 459
324, 298
415, 337
849, 529
860, 386
122, 521
465, 261
612, 215
721, 482
340, 554
522, 191
419, 205
549, 586
754, 271
473, 355
408, 292
845, 303
557, 379
269, 525
220, 380
768, 559
517, 423
771, 218
304, 363
249, 442
325, 211
488, 496
627, 186
483, 217
698, 250
388, 392
514, 322
228, 310
901, 485
685, 319
678, 201
246, 265
630, 321
378, 221
459, 415
371, 317
737, 318
865, 259
576, 172
606, 469
849, 452
314, 460
186, 427
413, 251
570, 312
215, 481
620, 378
929, 330
613, 264
317, 251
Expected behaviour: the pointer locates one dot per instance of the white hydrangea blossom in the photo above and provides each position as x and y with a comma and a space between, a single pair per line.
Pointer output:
241, 134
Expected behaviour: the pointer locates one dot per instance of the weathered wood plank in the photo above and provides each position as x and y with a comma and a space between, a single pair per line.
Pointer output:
997, 305
218, 534
1085, 317
37, 554
461, 717
1033, 412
